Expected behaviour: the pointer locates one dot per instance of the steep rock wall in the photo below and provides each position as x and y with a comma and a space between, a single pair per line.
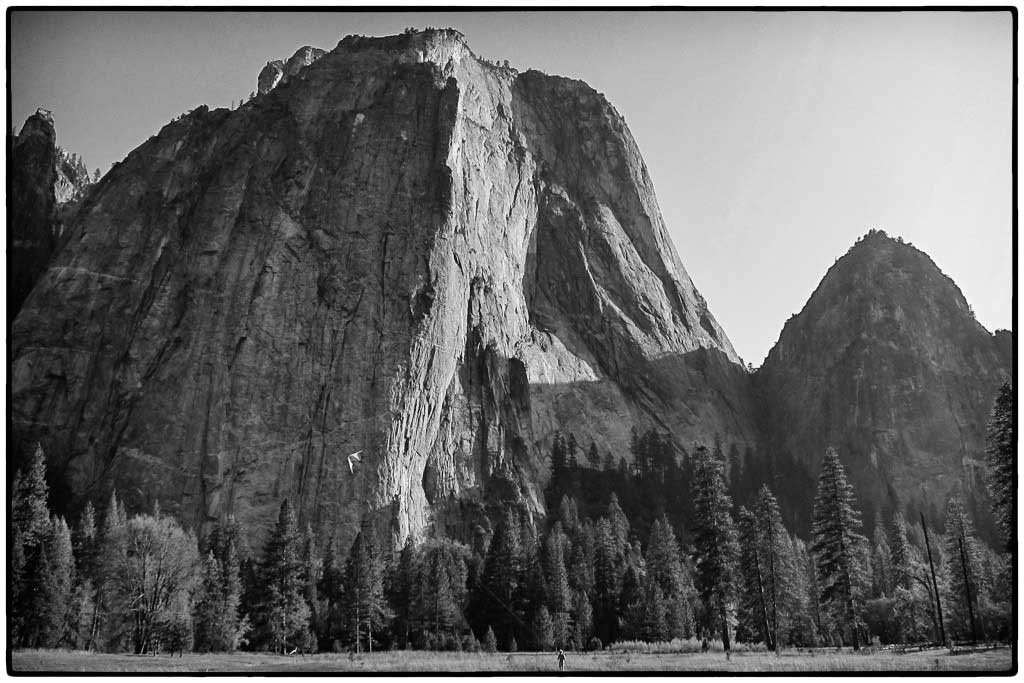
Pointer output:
32, 205
401, 249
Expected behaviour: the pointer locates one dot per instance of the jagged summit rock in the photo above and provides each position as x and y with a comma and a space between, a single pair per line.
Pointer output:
276, 70
402, 249
887, 363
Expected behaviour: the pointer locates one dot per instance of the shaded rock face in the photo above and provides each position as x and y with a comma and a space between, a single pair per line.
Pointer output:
401, 249
44, 192
887, 363
32, 205
276, 71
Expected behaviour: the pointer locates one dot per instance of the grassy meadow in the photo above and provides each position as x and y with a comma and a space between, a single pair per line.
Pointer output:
939, 660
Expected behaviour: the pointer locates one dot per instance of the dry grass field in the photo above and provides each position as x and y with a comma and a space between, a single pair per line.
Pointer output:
994, 661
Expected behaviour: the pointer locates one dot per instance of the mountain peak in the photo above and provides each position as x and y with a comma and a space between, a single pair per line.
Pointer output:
887, 363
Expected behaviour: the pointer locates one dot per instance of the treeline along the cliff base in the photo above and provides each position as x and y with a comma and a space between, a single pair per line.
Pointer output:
651, 549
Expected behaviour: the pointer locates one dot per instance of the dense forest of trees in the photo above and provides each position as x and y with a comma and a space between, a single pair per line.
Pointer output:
649, 548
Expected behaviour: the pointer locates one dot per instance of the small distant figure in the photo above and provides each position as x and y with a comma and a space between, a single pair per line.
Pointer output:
704, 645
561, 660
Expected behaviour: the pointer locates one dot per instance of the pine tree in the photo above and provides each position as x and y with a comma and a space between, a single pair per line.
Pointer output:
17, 581
581, 560
1001, 460
218, 625
631, 603
31, 529
571, 448
364, 609
400, 591
543, 629
665, 566
534, 591
490, 643
908, 591
962, 569
312, 566
56, 587
29, 505
779, 569
86, 543
753, 612
803, 628
559, 596
497, 593
593, 457
882, 582
208, 607
441, 591
607, 582
108, 629
619, 524
715, 543
582, 621
283, 613
901, 553
654, 625
837, 545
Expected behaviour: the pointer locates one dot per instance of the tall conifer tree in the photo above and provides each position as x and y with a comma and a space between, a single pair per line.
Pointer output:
284, 614
715, 544
837, 546
963, 569
665, 566
365, 609
497, 595
1001, 460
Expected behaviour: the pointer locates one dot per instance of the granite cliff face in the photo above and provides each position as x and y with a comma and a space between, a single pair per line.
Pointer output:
887, 363
33, 205
399, 248
44, 192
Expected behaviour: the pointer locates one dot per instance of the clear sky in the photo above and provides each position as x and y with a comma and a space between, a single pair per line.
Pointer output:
774, 139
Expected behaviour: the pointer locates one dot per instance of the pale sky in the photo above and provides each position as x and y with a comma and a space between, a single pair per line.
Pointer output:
774, 140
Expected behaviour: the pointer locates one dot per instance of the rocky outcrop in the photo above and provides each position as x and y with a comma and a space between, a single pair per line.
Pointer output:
277, 71
33, 205
46, 186
887, 363
270, 76
402, 249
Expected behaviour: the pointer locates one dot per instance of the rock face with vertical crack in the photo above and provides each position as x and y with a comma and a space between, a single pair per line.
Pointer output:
401, 248
887, 363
